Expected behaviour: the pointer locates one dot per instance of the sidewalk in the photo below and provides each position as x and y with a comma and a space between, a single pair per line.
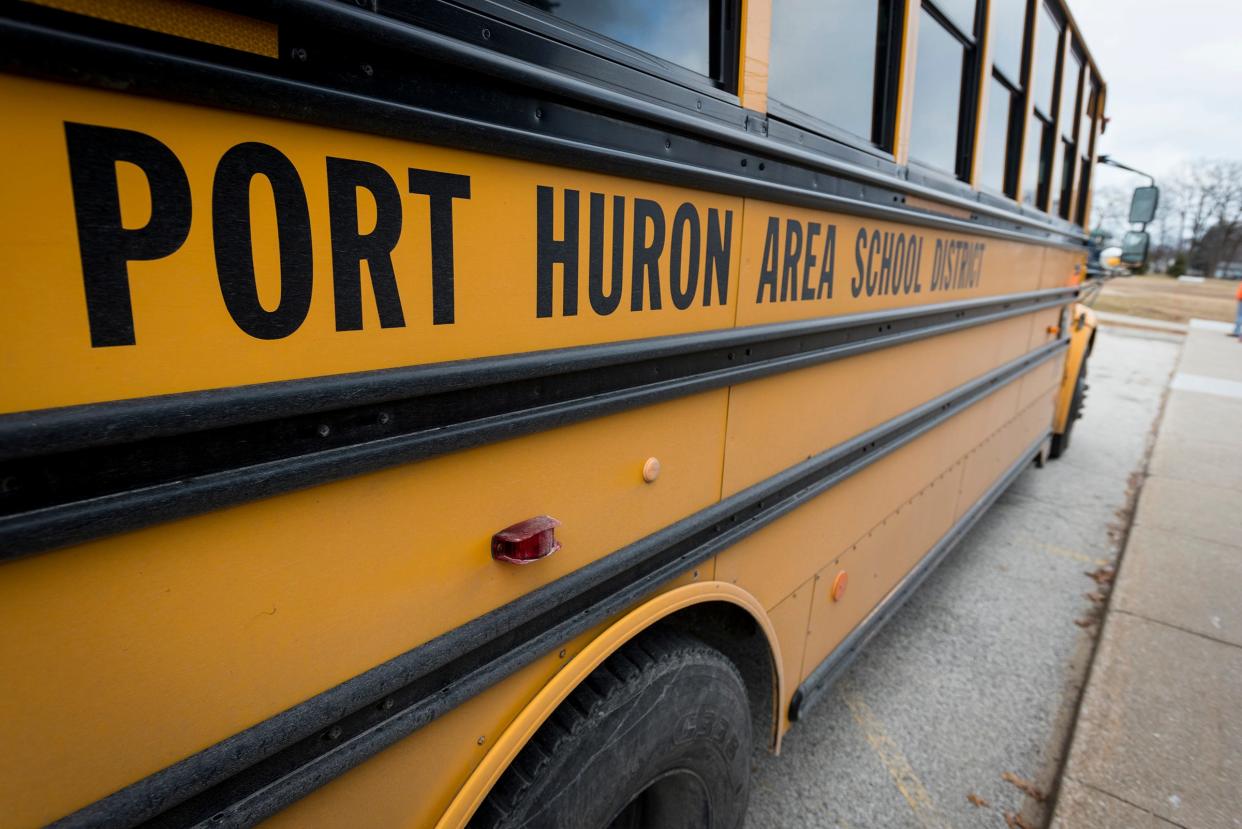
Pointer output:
1127, 321
1158, 741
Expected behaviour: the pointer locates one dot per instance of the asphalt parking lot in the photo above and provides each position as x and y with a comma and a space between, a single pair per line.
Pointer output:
980, 673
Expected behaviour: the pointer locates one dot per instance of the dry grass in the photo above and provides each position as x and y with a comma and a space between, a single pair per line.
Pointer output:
1164, 298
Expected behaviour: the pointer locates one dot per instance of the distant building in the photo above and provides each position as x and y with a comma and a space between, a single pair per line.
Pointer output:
1228, 270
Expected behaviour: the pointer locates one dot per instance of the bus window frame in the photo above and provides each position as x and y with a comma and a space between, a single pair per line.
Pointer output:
1048, 123
1069, 194
611, 61
1015, 134
884, 102
968, 93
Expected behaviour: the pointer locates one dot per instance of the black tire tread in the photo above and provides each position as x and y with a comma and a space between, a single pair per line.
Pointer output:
646, 654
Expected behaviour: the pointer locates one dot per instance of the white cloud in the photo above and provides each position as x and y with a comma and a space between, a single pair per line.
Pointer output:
1174, 76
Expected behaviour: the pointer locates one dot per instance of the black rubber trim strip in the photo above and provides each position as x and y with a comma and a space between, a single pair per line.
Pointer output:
825, 675
83, 472
803, 178
255, 773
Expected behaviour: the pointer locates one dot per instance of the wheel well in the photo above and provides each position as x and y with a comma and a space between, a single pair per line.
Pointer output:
730, 629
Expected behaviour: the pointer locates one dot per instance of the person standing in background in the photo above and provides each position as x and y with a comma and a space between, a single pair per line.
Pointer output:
1237, 319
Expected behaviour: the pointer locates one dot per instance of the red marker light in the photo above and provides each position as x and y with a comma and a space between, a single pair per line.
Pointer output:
526, 541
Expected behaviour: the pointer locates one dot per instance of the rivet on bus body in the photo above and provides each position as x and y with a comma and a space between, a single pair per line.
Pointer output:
651, 469
838, 585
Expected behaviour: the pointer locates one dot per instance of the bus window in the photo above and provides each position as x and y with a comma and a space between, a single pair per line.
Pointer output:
1002, 120
1008, 26
679, 31
1086, 145
942, 67
1037, 171
831, 62
1071, 89
997, 128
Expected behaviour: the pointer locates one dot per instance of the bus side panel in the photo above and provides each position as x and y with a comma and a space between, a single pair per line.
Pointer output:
780, 421
172, 638
773, 561
875, 561
878, 559
992, 457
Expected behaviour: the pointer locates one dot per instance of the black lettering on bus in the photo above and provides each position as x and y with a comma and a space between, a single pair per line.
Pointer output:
105, 245
351, 247
886, 265
768, 267
809, 261
860, 242
901, 274
793, 253
719, 245
552, 251
872, 276
605, 303
937, 265
916, 262
441, 189
646, 255
231, 232
686, 217
826, 264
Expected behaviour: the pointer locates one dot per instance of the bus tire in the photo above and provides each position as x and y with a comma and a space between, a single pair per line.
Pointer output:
1061, 442
658, 736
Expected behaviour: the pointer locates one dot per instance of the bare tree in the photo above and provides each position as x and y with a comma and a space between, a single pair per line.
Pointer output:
1206, 197
1110, 211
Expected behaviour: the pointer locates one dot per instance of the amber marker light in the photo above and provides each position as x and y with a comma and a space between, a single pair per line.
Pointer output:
526, 541
838, 585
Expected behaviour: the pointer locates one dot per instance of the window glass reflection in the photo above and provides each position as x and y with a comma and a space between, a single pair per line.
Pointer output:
995, 137
1047, 40
677, 30
823, 58
1034, 165
961, 12
1008, 24
937, 95
1069, 94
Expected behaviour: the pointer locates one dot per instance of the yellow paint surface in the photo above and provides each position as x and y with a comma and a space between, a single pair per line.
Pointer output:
182, 19
135, 651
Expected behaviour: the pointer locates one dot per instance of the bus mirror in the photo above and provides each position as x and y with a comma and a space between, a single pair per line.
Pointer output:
1143, 204
1134, 246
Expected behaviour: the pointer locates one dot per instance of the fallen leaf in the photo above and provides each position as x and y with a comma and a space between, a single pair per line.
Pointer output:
1084, 623
976, 800
1025, 785
1016, 821
1096, 596
1103, 576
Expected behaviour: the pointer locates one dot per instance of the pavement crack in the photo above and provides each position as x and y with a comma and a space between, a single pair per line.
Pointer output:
1163, 623
1178, 531
1129, 803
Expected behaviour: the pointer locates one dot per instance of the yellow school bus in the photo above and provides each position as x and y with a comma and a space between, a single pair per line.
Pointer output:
503, 412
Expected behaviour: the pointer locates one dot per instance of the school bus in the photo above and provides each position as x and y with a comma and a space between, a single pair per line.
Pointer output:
503, 412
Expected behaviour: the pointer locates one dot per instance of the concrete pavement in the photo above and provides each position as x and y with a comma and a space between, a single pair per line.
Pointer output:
1158, 742
979, 675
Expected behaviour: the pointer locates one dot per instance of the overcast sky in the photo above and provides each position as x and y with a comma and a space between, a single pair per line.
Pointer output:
1174, 75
